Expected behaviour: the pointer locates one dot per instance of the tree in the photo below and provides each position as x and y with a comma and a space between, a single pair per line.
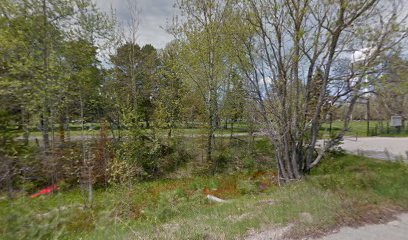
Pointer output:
392, 89
28, 30
135, 72
201, 57
168, 99
289, 54
50, 70
16, 61
94, 31
50, 19
233, 103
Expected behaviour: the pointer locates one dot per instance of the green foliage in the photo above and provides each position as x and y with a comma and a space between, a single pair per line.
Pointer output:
247, 154
51, 75
168, 205
392, 87
247, 187
352, 173
221, 161
168, 101
342, 190
234, 102
135, 79
199, 184
31, 219
147, 156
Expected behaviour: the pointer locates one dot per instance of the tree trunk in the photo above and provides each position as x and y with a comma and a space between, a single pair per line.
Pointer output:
210, 139
232, 129
25, 122
61, 128
44, 129
86, 158
44, 115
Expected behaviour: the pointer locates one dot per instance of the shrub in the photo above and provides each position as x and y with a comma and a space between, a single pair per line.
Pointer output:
146, 156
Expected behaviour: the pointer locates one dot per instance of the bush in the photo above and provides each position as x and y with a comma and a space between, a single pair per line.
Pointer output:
145, 156
221, 161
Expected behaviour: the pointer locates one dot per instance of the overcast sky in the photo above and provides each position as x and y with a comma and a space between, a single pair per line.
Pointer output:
154, 15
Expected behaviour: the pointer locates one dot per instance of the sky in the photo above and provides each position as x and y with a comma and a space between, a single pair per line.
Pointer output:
155, 14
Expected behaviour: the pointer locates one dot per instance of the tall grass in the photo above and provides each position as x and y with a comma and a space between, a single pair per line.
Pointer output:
343, 190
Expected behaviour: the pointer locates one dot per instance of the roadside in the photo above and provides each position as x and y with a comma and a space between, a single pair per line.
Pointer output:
393, 230
343, 191
363, 214
396, 229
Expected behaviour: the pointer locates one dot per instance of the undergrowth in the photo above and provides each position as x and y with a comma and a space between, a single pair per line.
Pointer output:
343, 190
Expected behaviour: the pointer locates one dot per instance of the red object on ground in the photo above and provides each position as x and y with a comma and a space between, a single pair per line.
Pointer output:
46, 190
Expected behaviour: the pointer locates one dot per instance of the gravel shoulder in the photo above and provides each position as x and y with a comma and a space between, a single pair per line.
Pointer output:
394, 230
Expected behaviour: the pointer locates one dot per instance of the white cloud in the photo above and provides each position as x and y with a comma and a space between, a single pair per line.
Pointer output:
154, 15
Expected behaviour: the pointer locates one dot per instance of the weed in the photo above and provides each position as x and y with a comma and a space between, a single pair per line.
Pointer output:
343, 190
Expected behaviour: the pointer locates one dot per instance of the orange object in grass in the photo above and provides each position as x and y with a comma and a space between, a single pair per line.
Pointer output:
46, 190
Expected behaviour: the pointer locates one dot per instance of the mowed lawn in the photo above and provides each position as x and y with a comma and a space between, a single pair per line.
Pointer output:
359, 129
343, 190
93, 130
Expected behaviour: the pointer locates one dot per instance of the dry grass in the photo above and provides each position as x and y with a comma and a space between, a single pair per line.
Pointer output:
344, 190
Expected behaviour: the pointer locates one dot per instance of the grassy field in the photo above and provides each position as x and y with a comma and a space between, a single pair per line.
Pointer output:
359, 129
356, 128
76, 132
343, 190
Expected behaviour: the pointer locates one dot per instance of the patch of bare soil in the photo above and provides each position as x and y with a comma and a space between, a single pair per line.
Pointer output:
272, 233
368, 214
